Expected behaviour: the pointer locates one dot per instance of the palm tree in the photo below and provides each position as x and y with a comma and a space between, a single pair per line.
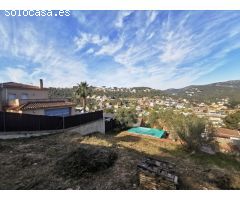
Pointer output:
83, 91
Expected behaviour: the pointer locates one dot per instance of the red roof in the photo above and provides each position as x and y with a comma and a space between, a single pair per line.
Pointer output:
40, 105
19, 86
226, 133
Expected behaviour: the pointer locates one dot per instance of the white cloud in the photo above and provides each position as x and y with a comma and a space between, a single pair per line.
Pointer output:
111, 48
59, 69
4, 36
56, 67
176, 48
151, 15
159, 52
162, 63
90, 51
85, 38
120, 18
79, 15
14, 74
149, 36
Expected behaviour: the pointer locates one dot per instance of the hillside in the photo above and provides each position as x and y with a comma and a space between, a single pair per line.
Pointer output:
110, 92
199, 93
210, 92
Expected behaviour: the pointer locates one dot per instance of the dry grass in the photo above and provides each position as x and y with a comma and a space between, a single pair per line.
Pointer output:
31, 163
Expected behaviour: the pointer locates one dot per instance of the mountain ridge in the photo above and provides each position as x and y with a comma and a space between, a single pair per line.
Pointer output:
222, 83
209, 92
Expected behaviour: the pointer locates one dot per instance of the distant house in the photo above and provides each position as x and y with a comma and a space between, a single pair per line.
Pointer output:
228, 140
227, 133
28, 99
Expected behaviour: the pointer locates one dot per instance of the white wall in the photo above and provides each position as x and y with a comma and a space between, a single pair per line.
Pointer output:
96, 126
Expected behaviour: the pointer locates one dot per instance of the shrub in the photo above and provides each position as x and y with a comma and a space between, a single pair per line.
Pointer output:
126, 117
152, 119
189, 130
232, 121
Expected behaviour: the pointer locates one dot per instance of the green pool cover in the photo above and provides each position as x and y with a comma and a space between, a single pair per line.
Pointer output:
148, 131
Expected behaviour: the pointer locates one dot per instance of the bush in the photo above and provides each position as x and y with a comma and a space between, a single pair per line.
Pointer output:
109, 110
86, 159
164, 119
190, 130
234, 103
152, 119
232, 121
126, 117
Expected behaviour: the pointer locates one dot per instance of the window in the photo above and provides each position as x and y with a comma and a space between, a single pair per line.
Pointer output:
12, 96
24, 96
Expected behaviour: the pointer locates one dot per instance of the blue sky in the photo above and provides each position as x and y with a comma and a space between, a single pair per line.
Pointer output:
158, 49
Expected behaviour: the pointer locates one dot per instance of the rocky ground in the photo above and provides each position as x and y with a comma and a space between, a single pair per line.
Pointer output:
106, 162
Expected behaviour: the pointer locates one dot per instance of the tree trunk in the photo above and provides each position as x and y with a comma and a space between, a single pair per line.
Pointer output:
84, 104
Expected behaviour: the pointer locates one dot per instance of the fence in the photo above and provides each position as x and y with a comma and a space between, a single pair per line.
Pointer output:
76, 120
110, 125
25, 122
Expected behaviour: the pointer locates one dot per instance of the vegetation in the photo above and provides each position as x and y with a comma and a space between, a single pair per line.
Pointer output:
210, 93
126, 117
220, 160
162, 119
232, 121
188, 129
60, 93
83, 91
152, 119
233, 103
125, 93
109, 110
206, 93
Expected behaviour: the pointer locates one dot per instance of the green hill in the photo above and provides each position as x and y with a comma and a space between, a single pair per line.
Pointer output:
210, 92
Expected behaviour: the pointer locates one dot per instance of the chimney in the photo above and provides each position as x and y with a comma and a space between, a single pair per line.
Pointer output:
41, 84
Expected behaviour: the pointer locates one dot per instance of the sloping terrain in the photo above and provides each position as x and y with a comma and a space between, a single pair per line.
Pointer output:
210, 92
34, 163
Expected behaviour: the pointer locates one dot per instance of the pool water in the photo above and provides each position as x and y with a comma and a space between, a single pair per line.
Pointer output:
148, 131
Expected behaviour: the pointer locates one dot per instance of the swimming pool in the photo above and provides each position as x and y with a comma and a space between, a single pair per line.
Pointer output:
148, 131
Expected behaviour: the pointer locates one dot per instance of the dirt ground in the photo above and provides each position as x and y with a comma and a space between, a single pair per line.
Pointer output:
33, 163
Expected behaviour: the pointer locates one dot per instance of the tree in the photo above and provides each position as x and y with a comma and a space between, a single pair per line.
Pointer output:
126, 117
83, 91
109, 110
152, 119
233, 103
232, 121
166, 118
190, 130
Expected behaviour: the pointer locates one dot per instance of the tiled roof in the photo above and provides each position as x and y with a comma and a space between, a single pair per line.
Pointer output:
19, 86
41, 105
226, 133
